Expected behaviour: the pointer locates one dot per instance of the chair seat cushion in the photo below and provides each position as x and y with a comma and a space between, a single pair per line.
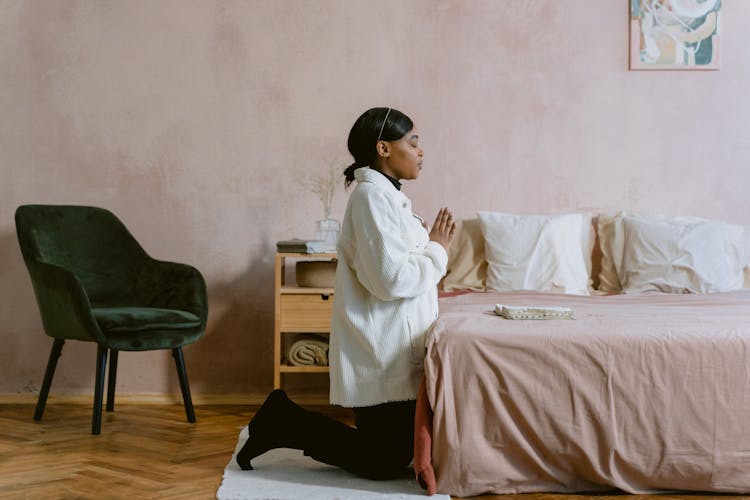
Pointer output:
145, 328
142, 319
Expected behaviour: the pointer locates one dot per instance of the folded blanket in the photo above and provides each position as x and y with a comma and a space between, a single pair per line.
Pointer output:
308, 350
534, 312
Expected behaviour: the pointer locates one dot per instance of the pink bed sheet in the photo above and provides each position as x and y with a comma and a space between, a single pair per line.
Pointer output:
644, 393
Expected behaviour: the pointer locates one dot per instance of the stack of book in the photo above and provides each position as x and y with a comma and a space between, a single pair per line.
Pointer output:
297, 245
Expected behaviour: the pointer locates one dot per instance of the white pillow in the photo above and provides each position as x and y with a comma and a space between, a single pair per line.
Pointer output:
612, 244
538, 252
681, 255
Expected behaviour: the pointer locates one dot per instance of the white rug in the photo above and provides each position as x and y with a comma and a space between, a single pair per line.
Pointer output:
285, 474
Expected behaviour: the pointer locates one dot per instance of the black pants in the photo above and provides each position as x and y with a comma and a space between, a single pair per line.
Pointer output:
381, 446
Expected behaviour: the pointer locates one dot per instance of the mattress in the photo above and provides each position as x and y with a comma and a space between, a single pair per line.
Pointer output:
645, 393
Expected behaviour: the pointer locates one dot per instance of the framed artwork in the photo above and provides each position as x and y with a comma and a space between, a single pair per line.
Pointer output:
674, 34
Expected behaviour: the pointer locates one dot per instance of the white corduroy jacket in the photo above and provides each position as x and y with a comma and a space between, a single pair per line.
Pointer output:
386, 296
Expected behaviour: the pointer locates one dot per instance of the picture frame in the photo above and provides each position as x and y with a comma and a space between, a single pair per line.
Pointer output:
674, 34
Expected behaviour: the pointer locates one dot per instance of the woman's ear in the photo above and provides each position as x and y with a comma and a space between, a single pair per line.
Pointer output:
383, 149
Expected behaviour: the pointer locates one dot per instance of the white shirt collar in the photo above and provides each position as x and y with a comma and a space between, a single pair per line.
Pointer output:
366, 174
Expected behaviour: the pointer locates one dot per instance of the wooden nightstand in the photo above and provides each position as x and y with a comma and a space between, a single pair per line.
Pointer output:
298, 310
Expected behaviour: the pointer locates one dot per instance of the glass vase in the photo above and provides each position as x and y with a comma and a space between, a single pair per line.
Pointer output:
328, 230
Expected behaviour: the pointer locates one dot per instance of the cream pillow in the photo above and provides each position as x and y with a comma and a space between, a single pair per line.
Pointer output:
605, 228
467, 267
538, 252
681, 255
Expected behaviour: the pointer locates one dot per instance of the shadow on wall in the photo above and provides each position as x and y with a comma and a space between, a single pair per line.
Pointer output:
25, 345
235, 354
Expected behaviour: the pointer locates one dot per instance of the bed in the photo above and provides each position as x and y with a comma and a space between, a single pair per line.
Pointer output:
643, 391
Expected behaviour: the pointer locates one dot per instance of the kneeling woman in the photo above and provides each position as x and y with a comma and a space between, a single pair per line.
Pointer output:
388, 269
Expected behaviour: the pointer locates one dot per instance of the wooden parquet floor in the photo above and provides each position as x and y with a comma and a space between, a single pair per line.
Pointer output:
144, 451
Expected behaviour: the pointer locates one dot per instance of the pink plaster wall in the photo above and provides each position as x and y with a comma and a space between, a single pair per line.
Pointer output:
194, 122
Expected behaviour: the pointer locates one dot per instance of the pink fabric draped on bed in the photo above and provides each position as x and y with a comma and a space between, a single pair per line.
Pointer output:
642, 392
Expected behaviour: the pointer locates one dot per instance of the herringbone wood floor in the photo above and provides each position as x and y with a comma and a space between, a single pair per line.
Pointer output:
144, 451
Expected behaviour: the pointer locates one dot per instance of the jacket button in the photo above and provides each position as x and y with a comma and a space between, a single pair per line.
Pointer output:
403, 204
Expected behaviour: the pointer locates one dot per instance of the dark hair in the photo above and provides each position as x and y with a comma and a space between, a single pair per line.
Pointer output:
363, 137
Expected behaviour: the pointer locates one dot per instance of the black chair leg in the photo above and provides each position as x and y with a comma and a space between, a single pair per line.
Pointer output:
101, 369
179, 361
54, 355
112, 379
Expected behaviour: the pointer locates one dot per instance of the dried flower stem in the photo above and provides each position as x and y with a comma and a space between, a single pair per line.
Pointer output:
324, 186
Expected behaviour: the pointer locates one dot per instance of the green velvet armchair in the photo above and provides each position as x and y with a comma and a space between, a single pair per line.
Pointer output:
94, 282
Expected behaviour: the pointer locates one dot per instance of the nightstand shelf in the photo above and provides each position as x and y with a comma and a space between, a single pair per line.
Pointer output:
306, 290
298, 310
303, 369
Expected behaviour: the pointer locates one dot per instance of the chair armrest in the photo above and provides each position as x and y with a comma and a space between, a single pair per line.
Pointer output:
63, 303
173, 285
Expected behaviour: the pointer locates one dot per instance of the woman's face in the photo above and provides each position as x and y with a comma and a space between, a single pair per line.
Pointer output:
402, 159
